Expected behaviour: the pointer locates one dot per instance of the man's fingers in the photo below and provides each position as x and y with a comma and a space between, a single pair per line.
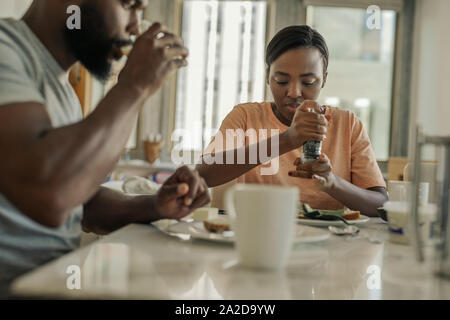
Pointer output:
196, 183
192, 179
182, 189
201, 201
174, 191
154, 30
182, 212
174, 52
203, 186
177, 63
203, 197
169, 39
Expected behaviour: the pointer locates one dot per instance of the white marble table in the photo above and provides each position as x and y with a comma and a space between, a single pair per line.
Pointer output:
141, 262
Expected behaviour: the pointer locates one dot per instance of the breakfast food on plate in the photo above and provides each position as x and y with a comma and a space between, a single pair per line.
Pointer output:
351, 215
217, 225
346, 214
202, 214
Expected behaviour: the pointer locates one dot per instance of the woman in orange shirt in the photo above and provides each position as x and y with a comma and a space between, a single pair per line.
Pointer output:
346, 174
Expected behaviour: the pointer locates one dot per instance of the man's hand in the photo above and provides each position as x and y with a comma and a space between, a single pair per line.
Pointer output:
320, 170
182, 193
156, 53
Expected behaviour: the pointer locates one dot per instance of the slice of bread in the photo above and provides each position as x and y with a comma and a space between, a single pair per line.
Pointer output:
217, 225
351, 215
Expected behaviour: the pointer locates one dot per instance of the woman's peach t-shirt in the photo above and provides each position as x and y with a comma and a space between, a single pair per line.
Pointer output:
347, 146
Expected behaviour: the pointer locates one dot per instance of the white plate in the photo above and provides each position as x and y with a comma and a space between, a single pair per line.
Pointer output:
196, 230
324, 223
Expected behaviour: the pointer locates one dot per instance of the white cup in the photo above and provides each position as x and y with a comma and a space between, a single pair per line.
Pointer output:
400, 224
143, 27
428, 173
263, 221
401, 191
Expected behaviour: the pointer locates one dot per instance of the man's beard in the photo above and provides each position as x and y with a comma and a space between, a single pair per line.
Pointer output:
91, 45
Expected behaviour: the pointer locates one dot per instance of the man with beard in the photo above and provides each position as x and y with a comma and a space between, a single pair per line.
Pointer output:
52, 162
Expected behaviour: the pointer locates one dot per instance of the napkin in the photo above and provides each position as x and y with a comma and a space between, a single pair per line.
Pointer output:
140, 185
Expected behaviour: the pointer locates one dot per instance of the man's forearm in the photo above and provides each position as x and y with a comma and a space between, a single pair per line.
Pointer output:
111, 210
75, 159
216, 174
356, 198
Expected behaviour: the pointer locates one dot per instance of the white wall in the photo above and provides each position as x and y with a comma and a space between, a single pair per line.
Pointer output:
431, 67
430, 97
13, 8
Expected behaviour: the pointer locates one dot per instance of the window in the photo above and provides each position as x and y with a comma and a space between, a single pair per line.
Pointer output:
13, 8
226, 40
360, 73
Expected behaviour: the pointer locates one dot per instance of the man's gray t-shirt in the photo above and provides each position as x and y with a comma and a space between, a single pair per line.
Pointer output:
29, 73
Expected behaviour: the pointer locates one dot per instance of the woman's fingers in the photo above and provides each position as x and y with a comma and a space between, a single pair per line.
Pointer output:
300, 174
323, 158
321, 168
310, 106
320, 179
298, 161
315, 118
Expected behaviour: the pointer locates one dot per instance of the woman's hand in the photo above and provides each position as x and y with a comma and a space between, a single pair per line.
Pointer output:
308, 124
319, 170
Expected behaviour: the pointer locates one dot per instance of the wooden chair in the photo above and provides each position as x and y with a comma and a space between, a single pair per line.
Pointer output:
428, 169
396, 166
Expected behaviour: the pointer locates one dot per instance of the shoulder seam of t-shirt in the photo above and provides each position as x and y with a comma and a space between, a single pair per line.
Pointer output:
24, 32
259, 109
49, 60
8, 40
245, 107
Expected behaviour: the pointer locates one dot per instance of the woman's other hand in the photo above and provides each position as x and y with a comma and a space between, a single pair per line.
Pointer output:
320, 170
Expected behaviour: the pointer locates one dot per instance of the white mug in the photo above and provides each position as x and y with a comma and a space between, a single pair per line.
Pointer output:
428, 173
400, 225
401, 191
263, 221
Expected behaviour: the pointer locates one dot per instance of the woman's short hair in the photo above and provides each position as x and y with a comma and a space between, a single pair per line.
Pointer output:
293, 37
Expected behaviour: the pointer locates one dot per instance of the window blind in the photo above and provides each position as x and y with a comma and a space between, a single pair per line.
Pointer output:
396, 5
